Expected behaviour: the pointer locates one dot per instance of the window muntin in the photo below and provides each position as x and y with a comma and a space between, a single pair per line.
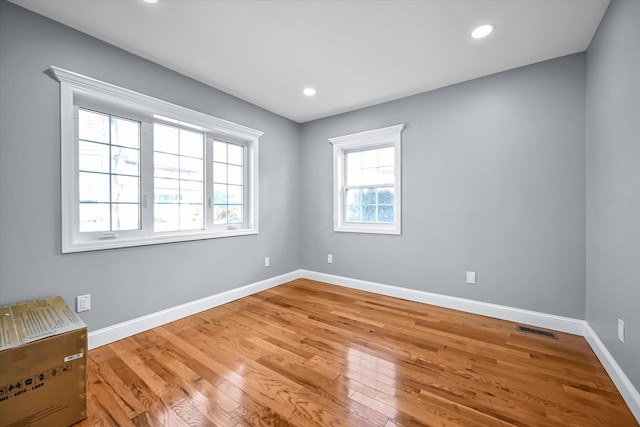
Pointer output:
367, 181
108, 172
112, 139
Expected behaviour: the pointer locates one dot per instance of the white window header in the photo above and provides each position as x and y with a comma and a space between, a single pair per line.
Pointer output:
112, 94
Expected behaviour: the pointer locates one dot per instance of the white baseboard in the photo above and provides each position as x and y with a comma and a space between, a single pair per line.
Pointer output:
542, 320
622, 382
122, 330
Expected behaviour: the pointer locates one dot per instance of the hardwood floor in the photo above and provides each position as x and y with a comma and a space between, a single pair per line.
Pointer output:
308, 353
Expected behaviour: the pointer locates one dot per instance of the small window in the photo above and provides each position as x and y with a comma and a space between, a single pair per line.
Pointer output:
367, 175
138, 171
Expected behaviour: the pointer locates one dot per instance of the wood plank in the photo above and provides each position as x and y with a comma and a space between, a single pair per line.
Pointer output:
312, 354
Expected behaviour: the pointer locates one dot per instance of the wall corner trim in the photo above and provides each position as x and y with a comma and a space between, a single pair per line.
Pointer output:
131, 327
622, 382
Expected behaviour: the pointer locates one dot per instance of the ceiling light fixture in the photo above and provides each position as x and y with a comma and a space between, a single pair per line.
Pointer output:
309, 91
482, 31
150, 1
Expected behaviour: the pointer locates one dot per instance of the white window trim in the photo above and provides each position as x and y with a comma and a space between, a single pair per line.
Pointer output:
75, 87
369, 139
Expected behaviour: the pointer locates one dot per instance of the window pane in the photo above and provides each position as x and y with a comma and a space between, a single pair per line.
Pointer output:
354, 177
179, 175
93, 126
354, 213
125, 132
165, 190
354, 160
235, 194
354, 197
386, 156
219, 172
165, 165
369, 213
228, 214
385, 213
165, 139
220, 194
228, 169
370, 167
368, 196
191, 192
125, 189
125, 161
220, 214
125, 216
93, 157
94, 217
191, 144
385, 196
235, 214
94, 187
386, 175
166, 217
370, 159
220, 151
190, 169
234, 174
370, 205
370, 176
236, 154
191, 217
109, 172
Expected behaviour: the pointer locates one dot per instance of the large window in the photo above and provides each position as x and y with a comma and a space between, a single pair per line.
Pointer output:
367, 181
137, 170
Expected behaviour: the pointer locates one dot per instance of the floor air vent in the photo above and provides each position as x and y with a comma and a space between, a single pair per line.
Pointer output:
537, 332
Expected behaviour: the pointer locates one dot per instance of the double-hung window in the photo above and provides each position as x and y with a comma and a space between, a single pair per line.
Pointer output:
367, 181
137, 170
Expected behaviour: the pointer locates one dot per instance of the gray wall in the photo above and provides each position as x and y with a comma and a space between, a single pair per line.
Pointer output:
124, 283
613, 183
493, 182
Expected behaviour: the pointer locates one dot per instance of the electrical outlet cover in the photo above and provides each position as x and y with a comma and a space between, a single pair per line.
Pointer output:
471, 277
620, 330
83, 303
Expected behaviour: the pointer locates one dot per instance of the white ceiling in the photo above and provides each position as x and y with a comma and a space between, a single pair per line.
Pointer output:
356, 53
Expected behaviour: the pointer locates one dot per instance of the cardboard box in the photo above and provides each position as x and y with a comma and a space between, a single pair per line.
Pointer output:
43, 364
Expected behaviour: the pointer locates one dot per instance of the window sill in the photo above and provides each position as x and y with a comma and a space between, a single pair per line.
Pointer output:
160, 238
368, 229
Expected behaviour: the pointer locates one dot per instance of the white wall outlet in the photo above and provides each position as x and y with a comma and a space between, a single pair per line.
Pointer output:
330, 259
620, 330
267, 262
471, 277
83, 303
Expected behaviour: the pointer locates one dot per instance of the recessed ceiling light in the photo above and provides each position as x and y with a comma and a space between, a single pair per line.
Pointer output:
309, 91
482, 31
150, 1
